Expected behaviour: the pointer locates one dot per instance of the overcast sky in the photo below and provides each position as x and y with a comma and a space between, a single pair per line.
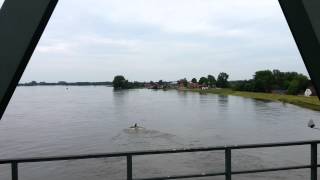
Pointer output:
93, 40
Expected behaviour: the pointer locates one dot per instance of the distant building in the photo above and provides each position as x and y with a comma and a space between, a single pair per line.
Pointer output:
153, 85
193, 85
203, 86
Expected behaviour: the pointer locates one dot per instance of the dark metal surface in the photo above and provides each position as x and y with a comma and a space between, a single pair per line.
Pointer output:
303, 19
314, 159
22, 24
228, 160
228, 163
14, 171
129, 167
153, 152
233, 172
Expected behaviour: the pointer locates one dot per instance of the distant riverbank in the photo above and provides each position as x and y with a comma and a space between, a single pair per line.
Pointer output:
64, 83
302, 101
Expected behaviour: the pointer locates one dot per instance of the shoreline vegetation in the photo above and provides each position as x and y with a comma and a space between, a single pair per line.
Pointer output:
286, 87
311, 102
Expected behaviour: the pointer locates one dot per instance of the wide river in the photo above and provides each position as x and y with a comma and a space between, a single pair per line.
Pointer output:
47, 121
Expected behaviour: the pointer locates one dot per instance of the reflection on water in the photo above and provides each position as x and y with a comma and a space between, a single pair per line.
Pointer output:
42, 121
223, 101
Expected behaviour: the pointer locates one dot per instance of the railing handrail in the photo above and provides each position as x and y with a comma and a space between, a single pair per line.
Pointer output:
151, 152
227, 150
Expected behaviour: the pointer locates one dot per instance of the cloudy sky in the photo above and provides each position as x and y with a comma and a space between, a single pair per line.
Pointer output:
93, 40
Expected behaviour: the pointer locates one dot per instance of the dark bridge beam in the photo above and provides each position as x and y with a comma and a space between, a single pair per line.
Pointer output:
22, 23
303, 17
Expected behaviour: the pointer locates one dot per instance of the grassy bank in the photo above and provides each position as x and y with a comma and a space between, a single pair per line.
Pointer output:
302, 101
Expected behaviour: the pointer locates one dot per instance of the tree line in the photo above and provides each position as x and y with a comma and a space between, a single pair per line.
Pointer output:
119, 82
267, 81
210, 81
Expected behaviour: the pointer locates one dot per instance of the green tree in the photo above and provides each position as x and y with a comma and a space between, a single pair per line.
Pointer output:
303, 82
211, 81
279, 80
283, 80
222, 81
263, 81
119, 82
294, 87
194, 80
203, 81
244, 85
33, 83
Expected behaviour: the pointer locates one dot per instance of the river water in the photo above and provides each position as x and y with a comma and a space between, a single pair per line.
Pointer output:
47, 121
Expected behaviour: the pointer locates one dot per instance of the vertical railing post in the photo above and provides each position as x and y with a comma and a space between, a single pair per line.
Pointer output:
129, 167
14, 171
314, 163
228, 163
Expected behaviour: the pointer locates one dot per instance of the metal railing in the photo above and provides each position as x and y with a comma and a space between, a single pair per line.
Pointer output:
228, 157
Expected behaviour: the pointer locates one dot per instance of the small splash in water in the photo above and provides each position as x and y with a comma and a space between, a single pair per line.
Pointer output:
145, 133
142, 138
